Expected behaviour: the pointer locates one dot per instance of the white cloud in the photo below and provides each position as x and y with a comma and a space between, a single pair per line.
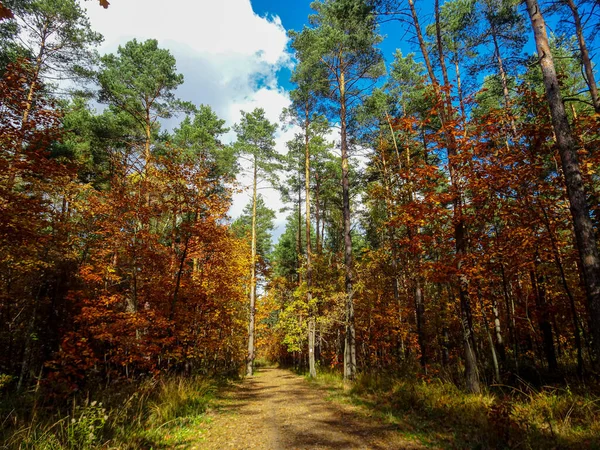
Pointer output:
209, 27
272, 101
228, 55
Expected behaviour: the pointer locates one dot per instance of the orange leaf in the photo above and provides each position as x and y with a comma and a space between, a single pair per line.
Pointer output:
5, 13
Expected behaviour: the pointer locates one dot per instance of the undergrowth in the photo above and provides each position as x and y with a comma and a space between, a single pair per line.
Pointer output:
155, 414
439, 414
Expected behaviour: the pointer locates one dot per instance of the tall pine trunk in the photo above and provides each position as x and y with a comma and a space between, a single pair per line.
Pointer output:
584, 232
312, 327
585, 56
251, 325
470, 356
350, 337
472, 373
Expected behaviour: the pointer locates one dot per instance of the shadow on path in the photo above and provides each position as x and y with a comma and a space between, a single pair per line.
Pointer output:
278, 410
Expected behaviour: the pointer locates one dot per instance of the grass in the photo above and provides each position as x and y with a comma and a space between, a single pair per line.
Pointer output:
438, 414
154, 415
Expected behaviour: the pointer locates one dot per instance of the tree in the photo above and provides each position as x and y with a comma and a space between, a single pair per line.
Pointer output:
56, 40
140, 80
313, 129
584, 231
506, 30
200, 139
255, 141
341, 43
242, 227
445, 112
34, 224
57, 37
577, 15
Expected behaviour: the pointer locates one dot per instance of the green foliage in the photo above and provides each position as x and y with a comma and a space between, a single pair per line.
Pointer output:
10, 48
199, 139
490, 96
256, 143
568, 68
286, 257
140, 80
242, 226
502, 21
86, 425
293, 321
57, 34
86, 138
342, 40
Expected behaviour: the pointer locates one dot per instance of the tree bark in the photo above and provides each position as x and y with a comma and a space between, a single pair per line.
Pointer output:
312, 328
472, 373
503, 77
538, 284
251, 324
584, 232
350, 337
498, 330
490, 340
574, 315
299, 235
422, 43
585, 56
35, 81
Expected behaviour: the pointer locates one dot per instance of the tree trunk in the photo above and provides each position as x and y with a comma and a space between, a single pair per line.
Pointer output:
490, 340
18, 147
574, 315
585, 56
422, 43
459, 91
472, 373
538, 285
299, 235
510, 316
420, 313
584, 232
350, 337
498, 330
147, 142
182, 261
312, 328
250, 360
503, 77
318, 237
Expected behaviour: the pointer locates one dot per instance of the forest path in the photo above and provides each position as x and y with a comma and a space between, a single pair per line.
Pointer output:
276, 409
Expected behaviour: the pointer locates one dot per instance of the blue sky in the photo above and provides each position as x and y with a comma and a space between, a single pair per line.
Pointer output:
294, 15
223, 47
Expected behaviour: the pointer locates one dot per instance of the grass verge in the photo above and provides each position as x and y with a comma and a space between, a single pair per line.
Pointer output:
440, 415
157, 414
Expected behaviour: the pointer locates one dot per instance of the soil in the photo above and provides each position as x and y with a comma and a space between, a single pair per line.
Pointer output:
276, 409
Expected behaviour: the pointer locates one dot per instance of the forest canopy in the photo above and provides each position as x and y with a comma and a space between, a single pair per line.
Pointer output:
442, 205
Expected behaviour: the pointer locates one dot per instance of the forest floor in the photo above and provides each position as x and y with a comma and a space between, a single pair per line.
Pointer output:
276, 409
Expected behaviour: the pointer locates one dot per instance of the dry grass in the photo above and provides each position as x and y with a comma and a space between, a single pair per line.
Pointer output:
155, 414
441, 415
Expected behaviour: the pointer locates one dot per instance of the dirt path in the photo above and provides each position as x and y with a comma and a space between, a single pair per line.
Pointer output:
279, 410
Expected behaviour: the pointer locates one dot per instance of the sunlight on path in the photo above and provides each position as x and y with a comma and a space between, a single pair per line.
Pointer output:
279, 410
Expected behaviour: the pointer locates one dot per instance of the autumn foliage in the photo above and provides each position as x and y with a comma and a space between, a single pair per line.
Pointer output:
449, 249
521, 265
140, 277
